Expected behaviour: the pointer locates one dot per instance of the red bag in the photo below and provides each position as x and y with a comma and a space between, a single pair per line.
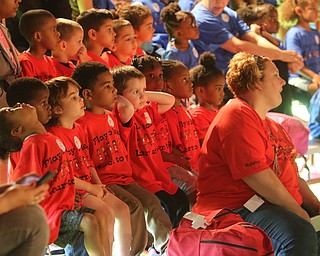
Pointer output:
227, 235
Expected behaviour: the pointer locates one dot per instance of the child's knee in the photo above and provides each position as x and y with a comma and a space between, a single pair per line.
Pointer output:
89, 222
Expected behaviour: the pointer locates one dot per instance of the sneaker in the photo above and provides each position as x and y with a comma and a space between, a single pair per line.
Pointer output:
153, 252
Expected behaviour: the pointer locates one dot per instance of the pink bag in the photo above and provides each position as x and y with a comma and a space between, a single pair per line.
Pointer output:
297, 131
227, 235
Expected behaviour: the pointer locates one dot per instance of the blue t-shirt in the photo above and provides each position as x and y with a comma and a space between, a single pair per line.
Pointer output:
314, 110
216, 30
160, 34
103, 4
305, 43
189, 57
186, 5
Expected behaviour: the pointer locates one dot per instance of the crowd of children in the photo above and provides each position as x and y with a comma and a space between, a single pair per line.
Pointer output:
122, 129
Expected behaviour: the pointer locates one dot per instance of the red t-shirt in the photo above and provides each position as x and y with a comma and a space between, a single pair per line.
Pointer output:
113, 60
77, 148
238, 144
107, 149
202, 118
184, 134
63, 69
41, 68
41, 153
94, 57
144, 153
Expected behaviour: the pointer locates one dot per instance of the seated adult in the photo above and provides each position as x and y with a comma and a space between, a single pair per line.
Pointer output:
246, 154
24, 229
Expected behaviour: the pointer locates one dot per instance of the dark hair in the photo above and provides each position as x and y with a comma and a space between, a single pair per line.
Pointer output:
122, 74
67, 27
253, 12
136, 14
93, 19
33, 21
206, 71
8, 143
173, 16
80, 74
58, 89
145, 62
23, 90
168, 68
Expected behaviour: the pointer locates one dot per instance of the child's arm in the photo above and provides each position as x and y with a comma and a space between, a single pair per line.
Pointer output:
125, 109
165, 101
97, 190
95, 178
309, 74
260, 31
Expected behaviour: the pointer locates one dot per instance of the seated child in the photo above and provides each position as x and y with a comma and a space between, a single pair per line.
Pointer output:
305, 41
125, 45
70, 47
182, 128
98, 32
39, 28
67, 106
141, 20
182, 28
176, 162
42, 152
208, 83
148, 168
109, 155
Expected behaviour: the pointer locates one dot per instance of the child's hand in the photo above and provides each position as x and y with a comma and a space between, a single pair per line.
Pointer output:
99, 190
256, 28
82, 54
316, 79
180, 159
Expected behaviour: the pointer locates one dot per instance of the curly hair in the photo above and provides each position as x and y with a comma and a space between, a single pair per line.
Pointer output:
244, 72
254, 12
206, 71
58, 88
173, 16
136, 14
8, 143
287, 9
169, 68
145, 62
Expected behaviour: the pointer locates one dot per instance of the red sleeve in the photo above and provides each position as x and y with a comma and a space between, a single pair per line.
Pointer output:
27, 67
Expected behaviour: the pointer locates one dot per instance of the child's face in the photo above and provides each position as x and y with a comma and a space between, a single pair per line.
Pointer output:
310, 12
135, 92
145, 31
49, 34
103, 93
179, 85
105, 36
213, 93
72, 106
74, 44
154, 78
126, 41
40, 102
271, 23
189, 28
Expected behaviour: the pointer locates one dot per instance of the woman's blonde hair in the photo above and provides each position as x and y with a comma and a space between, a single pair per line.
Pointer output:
245, 70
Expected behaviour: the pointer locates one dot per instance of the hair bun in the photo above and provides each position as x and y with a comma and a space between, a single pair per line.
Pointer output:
208, 60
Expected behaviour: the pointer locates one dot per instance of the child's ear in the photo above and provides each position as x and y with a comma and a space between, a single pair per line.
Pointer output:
37, 36
198, 90
92, 34
16, 131
86, 93
167, 87
57, 110
298, 10
63, 45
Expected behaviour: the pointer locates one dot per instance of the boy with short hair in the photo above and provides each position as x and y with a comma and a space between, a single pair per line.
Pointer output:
38, 27
70, 47
109, 154
98, 32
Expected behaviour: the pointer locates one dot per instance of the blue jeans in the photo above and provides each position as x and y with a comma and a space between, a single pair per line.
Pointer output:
78, 249
289, 233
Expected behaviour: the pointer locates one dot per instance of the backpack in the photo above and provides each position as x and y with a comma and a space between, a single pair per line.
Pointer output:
296, 130
226, 235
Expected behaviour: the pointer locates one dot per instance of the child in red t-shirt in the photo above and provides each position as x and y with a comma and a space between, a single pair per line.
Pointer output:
38, 27
208, 83
70, 47
42, 152
142, 144
177, 163
125, 44
108, 152
184, 134
67, 106
98, 32
141, 20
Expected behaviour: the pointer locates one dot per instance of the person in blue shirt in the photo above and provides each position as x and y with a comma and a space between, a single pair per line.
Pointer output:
181, 27
305, 41
224, 33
